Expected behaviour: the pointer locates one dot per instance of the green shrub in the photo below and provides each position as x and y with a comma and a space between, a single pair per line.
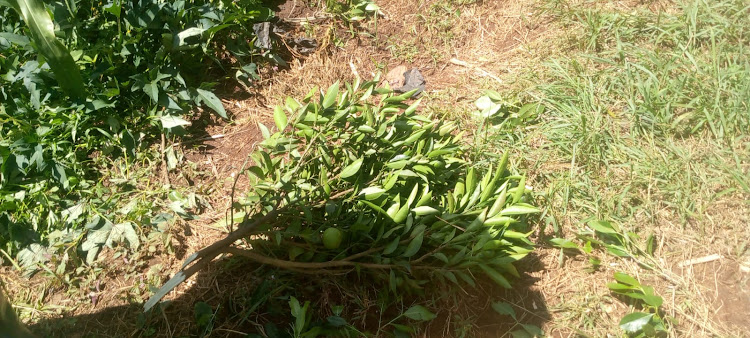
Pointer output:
407, 203
138, 61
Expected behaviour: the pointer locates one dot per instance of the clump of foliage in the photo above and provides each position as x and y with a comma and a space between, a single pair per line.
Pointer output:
357, 181
138, 61
646, 323
379, 187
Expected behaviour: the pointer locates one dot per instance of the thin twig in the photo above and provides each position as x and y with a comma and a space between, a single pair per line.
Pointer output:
480, 70
164, 165
705, 259
291, 265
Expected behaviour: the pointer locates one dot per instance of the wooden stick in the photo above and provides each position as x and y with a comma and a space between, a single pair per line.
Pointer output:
704, 259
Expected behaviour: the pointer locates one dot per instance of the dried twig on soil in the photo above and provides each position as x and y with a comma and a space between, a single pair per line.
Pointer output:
704, 259
479, 70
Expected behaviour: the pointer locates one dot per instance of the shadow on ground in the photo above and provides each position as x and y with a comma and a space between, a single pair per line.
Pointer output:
247, 298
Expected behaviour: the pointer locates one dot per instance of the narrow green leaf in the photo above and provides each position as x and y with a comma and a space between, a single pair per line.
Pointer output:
414, 245
331, 94
420, 313
504, 309
519, 210
520, 190
59, 59
495, 276
371, 193
563, 243
602, 226
352, 168
425, 210
391, 247
620, 288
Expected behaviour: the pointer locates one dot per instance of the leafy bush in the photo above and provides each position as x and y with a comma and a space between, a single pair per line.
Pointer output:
647, 323
357, 181
397, 187
138, 61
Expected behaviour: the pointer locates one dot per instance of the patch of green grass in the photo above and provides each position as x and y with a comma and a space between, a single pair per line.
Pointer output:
645, 121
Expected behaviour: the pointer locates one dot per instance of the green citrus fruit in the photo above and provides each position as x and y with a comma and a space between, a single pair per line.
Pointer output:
332, 238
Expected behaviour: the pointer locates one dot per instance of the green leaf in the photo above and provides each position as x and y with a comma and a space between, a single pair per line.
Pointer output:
617, 287
352, 168
114, 8
212, 102
533, 330
279, 118
127, 232
414, 245
420, 313
504, 309
653, 300
203, 314
336, 321
331, 94
425, 210
391, 247
563, 243
371, 193
182, 37
42, 32
626, 279
33, 254
264, 131
15, 38
519, 210
495, 276
152, 90
636, 321
58, 172
169, 122
602, 226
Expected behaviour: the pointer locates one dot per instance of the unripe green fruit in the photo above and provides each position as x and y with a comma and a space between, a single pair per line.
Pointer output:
332, 238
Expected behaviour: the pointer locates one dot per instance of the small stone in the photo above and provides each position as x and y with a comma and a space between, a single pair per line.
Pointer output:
395, 77
413, 79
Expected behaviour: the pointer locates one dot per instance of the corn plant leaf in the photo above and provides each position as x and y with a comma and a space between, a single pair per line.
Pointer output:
58, 57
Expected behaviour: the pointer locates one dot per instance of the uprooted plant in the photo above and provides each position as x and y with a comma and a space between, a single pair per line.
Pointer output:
359, 182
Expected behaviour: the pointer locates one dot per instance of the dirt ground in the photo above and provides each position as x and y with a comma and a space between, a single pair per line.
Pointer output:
484, 45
